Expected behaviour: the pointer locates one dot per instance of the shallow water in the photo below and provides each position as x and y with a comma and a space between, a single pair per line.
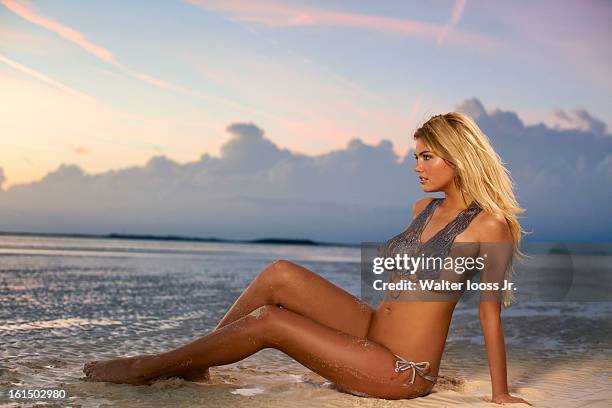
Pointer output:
66, 301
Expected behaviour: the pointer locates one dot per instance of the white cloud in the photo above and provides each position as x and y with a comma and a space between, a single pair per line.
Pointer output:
359, 193
580, 119
561, 175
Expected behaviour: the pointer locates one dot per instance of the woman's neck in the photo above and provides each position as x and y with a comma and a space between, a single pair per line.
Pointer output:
453, 199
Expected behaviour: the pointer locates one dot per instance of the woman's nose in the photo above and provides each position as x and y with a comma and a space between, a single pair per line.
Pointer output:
418, 168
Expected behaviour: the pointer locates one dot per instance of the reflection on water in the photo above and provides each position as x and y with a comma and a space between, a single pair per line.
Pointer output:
58, 323
69, 300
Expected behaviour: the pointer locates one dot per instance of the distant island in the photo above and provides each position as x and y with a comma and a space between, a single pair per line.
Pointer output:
269, 241
530, 247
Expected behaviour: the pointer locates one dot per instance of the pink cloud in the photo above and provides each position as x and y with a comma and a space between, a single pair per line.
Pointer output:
105, 55
82, 41
63, 31
456, 15
41, 77
576, 36
275, 14
415, 109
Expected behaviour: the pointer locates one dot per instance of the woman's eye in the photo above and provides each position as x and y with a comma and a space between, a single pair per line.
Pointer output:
426, 156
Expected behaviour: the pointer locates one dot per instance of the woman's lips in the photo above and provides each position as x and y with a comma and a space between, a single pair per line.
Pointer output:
423, 180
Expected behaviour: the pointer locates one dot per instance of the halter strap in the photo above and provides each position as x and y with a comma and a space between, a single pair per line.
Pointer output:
445, 237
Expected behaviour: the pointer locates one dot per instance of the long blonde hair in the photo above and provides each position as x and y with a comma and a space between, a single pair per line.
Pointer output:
480, 172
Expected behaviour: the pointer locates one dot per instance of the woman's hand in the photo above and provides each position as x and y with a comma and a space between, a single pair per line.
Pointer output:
507, 399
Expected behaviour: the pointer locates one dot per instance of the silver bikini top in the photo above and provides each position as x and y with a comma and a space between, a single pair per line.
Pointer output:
439, 245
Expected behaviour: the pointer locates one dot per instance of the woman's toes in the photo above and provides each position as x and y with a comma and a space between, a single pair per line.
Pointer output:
88, 367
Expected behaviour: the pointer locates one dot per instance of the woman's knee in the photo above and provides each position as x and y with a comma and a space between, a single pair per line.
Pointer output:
268, 322
276, 276
255, 326
264, 313
265, 316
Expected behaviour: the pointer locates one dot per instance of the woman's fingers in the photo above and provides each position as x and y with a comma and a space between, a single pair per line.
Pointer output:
509, 399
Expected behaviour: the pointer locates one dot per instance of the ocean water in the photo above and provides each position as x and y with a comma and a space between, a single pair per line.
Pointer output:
66, 301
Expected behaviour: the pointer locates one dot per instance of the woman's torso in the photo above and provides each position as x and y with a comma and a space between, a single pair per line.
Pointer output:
413, 328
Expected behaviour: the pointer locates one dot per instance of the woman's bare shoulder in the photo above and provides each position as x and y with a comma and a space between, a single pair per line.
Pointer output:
492, 227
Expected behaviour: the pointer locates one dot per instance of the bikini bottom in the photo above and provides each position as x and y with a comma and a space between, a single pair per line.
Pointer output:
417, 368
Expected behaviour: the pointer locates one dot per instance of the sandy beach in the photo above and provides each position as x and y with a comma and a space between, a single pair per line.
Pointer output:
66, 302
271, 379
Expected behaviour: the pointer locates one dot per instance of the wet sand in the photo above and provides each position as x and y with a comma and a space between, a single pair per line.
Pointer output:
270, 379
63, 309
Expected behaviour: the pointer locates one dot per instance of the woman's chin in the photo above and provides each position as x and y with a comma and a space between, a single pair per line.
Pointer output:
427, 189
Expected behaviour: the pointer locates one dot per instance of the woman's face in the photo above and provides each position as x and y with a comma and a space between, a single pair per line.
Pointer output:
435, 174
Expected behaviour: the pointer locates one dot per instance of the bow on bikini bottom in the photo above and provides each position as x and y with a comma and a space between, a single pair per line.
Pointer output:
417, 368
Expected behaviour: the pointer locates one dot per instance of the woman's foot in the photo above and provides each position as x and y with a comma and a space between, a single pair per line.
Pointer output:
136, 370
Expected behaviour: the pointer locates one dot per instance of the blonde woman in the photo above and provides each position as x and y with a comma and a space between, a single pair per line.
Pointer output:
390, 352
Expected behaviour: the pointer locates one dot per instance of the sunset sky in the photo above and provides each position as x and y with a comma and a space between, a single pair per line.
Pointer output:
109, 84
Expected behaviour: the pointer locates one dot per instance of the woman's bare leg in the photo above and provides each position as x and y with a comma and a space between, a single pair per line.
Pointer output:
300, 290
354, 363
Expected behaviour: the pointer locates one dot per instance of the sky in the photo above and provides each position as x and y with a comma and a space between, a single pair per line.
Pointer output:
213, 100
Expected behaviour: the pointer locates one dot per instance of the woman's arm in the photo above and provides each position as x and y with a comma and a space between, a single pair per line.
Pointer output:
490, 321
496, 243
492, 329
